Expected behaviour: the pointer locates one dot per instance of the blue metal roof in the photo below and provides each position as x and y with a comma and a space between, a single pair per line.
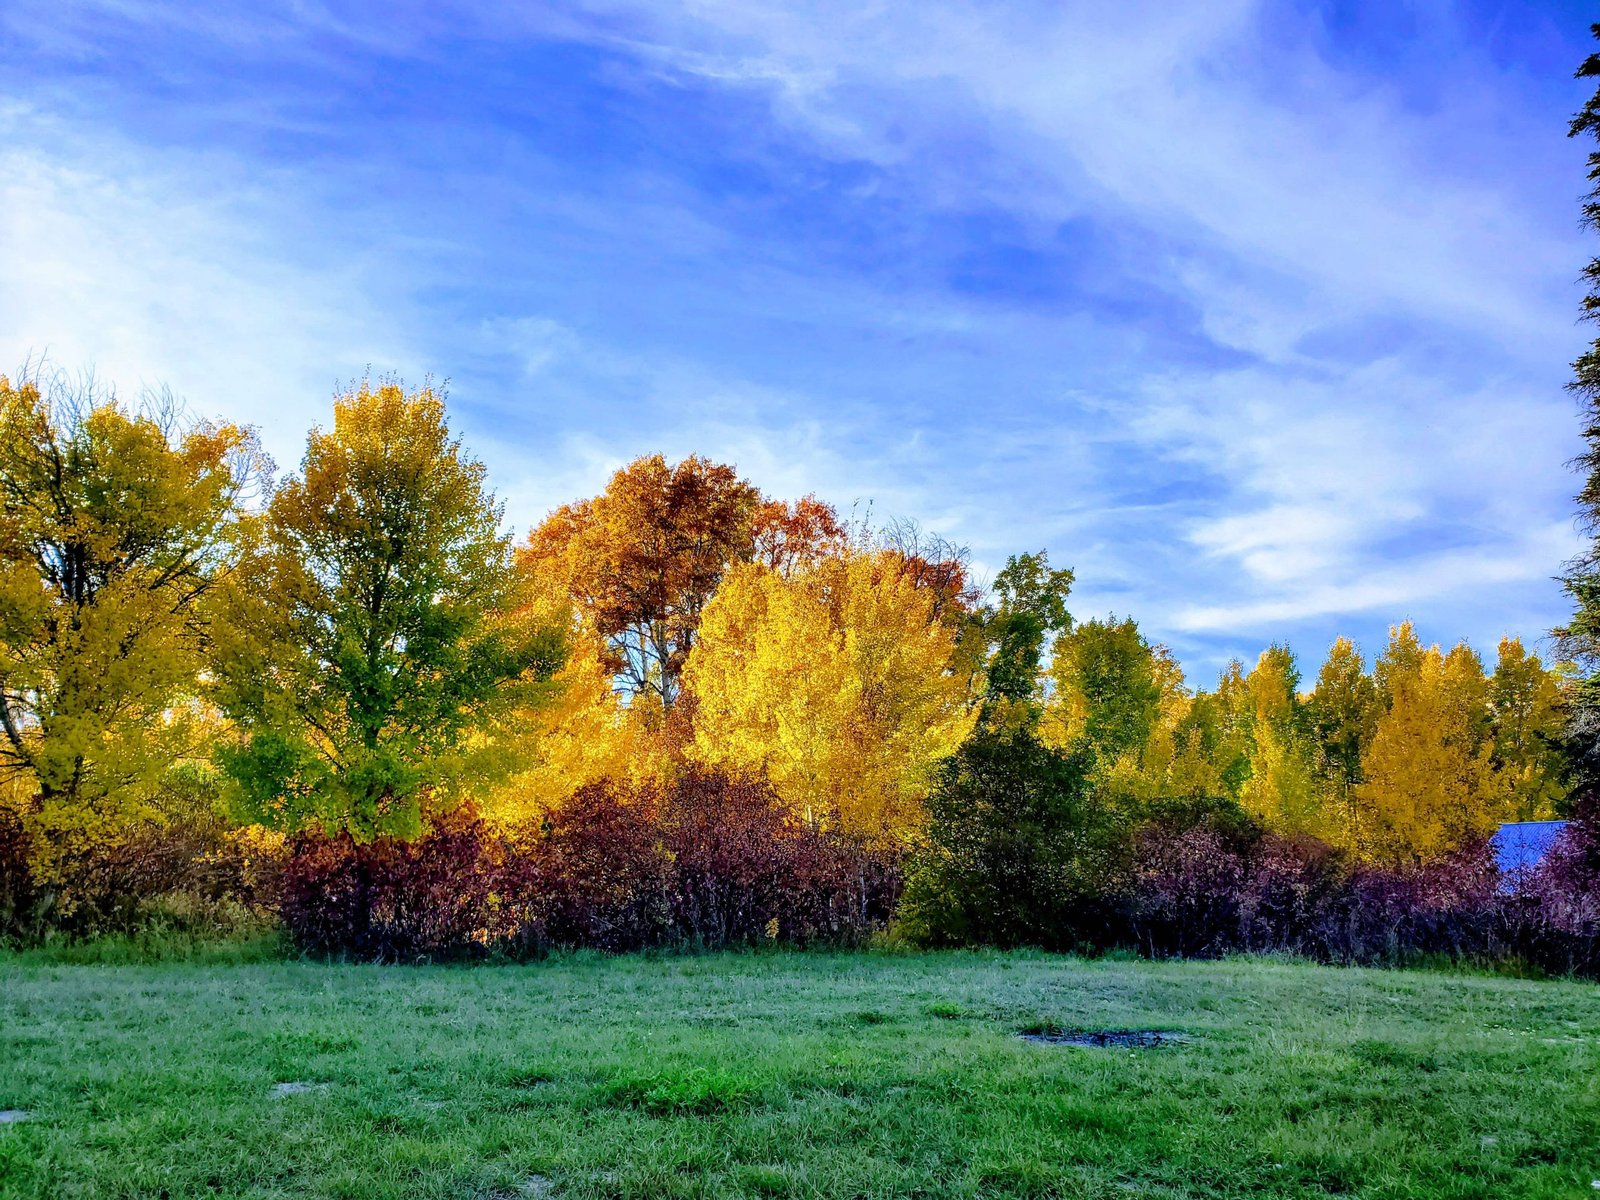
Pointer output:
1519, 845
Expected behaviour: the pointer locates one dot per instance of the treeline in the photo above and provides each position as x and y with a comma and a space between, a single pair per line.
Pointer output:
683, 711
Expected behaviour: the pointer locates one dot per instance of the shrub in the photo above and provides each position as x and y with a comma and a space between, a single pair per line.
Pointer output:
1553, 922
1018, 850
22, 905
1188, 890
1292, 882
596, 874
747, 870
1566, 885
709, 860
186, 871
390, 900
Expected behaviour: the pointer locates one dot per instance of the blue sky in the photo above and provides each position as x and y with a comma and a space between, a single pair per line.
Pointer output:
1255, 314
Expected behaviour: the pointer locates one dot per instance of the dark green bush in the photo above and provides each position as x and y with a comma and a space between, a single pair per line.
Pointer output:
1019, 850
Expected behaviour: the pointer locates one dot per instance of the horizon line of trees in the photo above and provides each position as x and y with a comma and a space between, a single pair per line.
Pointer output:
361, 648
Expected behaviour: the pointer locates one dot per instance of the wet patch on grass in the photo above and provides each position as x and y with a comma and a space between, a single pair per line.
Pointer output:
1104, 1039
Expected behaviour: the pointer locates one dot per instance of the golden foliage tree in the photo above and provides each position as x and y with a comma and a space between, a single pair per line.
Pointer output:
115, 526
1280, 790
836, 684
377, 635
1429, 778
581, 733
1530, 713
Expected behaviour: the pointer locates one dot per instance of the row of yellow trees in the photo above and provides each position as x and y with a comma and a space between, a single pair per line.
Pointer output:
1405, 762
362, 646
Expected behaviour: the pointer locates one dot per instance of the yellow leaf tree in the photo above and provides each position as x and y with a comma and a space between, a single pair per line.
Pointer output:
1429, 779
836, 684
1530, 720
116, 525
1280, 791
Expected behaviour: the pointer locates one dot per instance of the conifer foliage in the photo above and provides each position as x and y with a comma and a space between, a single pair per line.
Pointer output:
1580, 637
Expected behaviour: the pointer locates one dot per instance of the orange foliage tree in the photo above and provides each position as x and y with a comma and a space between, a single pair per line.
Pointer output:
641, 560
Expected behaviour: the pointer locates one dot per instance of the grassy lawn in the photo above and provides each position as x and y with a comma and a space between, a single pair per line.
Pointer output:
792, 1075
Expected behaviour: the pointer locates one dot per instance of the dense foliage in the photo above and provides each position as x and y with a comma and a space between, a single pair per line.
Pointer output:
710, 861
373, 635
682, 712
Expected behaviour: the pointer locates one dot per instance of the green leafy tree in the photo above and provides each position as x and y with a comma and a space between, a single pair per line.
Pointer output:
1030, 607
378, 633
1107, 689
116, 524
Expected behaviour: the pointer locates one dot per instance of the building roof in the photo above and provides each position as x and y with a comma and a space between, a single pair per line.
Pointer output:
1519, 845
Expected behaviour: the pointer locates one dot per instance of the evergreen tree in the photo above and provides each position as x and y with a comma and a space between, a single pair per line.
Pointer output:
1579, 639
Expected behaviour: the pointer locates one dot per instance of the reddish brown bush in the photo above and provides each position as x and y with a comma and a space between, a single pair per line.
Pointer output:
709, 861
389, 900
595, 874
1188, 891
22, 905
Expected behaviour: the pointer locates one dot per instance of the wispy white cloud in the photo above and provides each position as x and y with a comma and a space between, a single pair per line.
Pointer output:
152, 272
1298, 368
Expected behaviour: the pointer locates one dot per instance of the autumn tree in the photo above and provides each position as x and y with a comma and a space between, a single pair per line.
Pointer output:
835, 683
116, 524
580, 734
789, 536
377, 633
1428, 778
1529, 713
642, 560
1579, 638
1344, 710
1280, 790
933, 564
1193, 768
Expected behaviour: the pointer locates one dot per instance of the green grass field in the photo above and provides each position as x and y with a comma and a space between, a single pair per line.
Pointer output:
792, 1075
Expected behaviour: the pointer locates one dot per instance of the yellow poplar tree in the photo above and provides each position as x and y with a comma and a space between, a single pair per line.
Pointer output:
836, 684
583, 734
1280, 791
1429, 780
1530, 716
